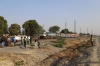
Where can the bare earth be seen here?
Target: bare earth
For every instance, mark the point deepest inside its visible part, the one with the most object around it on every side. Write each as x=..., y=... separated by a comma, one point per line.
x=94, y=56
x=31, y=56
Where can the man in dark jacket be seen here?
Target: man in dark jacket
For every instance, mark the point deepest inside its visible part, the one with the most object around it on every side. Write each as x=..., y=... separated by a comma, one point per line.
x=3, y=40
x=91, y=39
x=30, y=40
x=25, y=42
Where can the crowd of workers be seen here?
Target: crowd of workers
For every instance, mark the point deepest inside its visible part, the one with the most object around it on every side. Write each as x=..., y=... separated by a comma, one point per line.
x=6, y=41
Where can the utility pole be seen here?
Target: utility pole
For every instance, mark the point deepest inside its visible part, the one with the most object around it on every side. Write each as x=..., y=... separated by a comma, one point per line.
x=24, y=30
x=65, y=30
x=87, y=30
x=74, y=26
x=43, y=26
x=91, y=32
x=80, y=30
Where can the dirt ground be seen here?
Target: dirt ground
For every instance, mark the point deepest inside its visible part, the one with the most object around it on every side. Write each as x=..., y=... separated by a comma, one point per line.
x=18, y=56
x=30, y=56
x=88, y=56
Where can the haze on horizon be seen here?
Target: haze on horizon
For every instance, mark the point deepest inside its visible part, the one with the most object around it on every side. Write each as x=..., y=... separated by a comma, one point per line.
x=54, y=12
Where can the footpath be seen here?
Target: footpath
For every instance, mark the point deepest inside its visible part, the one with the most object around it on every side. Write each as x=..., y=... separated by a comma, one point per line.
x=95, y=55
x=88, y=56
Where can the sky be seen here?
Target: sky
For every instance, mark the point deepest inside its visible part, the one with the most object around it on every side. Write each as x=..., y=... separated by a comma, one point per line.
x=86, y=13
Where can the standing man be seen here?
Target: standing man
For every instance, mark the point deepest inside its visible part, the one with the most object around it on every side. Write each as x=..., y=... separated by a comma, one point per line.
x=25, y=42
x=91, y=40
x=30, y=40
x=22, y=41
x=14, y=40
x=3, y=40
x=38, y=44
x=8, y=40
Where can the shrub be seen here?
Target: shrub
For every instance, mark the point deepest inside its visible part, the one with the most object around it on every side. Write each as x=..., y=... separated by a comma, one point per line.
x=19, y=63
x=60, y=42
x=58, y=45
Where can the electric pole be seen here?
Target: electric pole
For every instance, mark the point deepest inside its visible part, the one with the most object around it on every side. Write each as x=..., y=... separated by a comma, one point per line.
x=80, y=30
x=87, y=30
x=91, y=32
x=74, y=26
x=43, y=26
x=65, y=30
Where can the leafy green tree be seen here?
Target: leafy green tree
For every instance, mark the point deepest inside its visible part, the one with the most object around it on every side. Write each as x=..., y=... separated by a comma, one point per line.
x=43, y=30
x=70, y=32
x=14, y=29
x=3, y=25
x=32, y=28
x=54, y=29
x=88, y=33
x=64, y=31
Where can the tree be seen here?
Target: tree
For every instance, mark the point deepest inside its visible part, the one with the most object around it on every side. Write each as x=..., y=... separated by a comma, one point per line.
x=3, y=25
x=43, y=30
x=88, y=33
x=14, y=29
x=54, y=29
x=64, y=31
x=32, y=28
x=70, y=32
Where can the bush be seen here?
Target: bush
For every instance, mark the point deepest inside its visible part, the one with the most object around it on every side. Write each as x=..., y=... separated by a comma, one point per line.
x=60, y=42
x=58, y=45
x=19, y=63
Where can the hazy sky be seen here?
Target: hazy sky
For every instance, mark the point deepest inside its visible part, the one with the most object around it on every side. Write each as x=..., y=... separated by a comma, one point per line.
x=54, y=12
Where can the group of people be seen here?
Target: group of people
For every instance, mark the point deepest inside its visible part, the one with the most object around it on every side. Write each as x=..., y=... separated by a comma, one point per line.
x=28, y=40
x=6, y=41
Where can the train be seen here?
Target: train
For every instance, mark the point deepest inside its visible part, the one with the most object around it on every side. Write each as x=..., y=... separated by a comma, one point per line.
x=48, y=35
x=54, y=35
